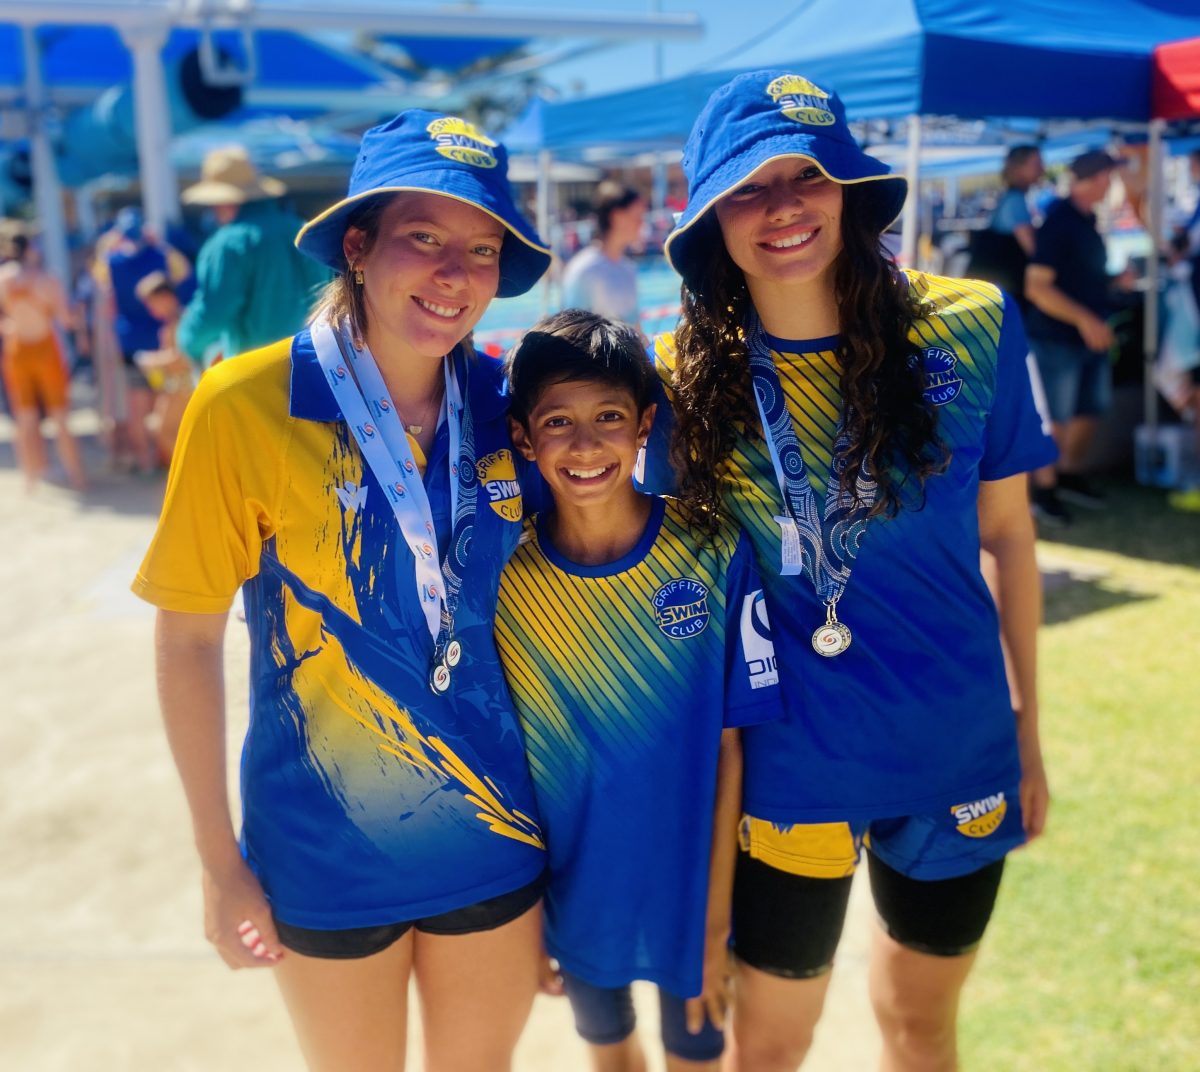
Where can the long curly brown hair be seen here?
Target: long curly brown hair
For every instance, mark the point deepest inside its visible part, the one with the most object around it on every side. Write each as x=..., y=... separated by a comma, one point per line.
x=892, y=431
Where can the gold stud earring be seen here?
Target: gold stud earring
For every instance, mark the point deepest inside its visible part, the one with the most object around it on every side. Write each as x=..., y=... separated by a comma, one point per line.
x=358, y=275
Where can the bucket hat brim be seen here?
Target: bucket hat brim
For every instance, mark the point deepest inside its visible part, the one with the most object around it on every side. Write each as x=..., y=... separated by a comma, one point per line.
x=213, y=192
x=842, y=162
x=523, y=259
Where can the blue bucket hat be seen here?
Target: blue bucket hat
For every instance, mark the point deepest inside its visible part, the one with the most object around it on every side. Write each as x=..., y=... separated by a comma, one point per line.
x=759, y=117
x=428, y=152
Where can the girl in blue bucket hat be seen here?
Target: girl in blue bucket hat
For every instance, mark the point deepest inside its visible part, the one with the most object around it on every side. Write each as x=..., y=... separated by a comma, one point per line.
x=870, y=428
x=357, y=483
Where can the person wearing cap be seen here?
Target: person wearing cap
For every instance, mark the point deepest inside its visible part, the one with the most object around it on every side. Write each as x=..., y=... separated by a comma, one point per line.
x=870, y=429
x=358, y=482
x=1070, y=295
x=252, y=285
x=602, y=278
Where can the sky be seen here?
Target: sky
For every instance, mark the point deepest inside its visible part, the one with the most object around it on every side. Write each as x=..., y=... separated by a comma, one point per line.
x=727, y=25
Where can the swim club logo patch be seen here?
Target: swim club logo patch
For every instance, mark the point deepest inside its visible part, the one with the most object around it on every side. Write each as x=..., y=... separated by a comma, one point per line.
x=942, y=381
x=498, y=476
x=681, y=608
x=757, y=646
x=462, y=142
x=801, y=100
x=981, y=817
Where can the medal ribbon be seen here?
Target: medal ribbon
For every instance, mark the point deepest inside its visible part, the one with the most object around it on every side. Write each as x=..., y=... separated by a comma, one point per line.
x=358, y=387
x=828, y=544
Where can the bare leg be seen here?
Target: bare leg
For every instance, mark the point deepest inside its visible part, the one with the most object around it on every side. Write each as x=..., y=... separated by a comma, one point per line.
x=915, y=996
x=68, y=451
x=1074, y=442
x=623, y=1056
x=773, y=1020
x=476, y=993
x=350, y=1015
x=31, y=450
x=141, y=402
x=678, y=1064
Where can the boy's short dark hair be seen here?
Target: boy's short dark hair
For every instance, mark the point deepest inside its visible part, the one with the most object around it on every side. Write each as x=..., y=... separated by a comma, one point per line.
x=577, y=345
x=609, y=197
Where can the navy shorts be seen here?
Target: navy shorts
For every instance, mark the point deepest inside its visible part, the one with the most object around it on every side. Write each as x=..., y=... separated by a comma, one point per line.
x=357, y=942
x=1077, y=381
x=605, y=1016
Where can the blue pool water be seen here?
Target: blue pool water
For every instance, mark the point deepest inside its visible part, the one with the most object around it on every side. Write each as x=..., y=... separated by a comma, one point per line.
x=506, y=318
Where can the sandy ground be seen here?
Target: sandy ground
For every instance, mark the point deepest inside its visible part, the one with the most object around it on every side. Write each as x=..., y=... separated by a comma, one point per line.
x=102, y=962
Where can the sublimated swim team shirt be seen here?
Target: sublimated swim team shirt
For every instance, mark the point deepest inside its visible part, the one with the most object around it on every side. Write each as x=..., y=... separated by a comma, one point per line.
x=914, y=716
x=367, y=798
x=624, y=676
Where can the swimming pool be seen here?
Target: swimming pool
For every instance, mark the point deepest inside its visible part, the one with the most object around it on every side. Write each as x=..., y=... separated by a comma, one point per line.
x=507, y=318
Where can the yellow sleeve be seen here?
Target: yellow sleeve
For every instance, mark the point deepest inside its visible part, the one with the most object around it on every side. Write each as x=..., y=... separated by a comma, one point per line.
x=222, y=492
x=664, y=360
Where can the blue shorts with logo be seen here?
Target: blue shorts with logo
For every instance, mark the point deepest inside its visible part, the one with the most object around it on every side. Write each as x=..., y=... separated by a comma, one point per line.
x=953, y=842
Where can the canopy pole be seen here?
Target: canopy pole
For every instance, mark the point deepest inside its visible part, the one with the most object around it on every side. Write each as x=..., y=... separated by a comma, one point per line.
x=160, y=194
x=911, y=219
x=47, y=190
x=543, y=217
x=1154, y=223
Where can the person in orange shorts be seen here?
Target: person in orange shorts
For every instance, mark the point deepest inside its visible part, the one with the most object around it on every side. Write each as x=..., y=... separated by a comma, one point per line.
x=32, y=307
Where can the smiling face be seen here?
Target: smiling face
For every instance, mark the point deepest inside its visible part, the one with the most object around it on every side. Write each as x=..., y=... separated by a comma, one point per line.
x=584, y=437
x=782, y=226
x=428, y=275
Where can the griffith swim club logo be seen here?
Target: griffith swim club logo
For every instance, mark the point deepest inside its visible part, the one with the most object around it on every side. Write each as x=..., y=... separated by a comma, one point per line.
x=801, y=100
x=681, y=608
x=942, y=381
x=981, y=817
x=498, y=476
x=462, y=142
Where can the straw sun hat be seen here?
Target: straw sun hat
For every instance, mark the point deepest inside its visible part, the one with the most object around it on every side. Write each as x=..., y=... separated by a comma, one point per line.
x=228, y=177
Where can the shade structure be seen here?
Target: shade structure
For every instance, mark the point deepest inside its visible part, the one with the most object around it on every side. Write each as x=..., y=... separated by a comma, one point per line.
x=1175, y=91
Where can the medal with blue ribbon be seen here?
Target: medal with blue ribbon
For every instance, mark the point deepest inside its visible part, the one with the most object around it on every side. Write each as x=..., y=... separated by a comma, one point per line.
x=820, y=545
x=358, y=387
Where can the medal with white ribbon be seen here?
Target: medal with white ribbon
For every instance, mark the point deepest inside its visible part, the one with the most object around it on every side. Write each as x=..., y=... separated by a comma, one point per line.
x=822, y=547
x=369, y=412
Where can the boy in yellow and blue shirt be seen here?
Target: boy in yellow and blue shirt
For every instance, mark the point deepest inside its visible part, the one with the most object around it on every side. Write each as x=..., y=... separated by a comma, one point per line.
x=633, y=648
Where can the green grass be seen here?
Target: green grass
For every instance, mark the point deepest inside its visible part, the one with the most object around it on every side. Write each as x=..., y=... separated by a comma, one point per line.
x=1092, y=963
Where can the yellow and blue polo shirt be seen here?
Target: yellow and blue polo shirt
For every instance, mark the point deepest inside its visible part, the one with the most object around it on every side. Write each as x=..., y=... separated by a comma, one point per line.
x=367, y=799
x=624, y=676
x=914, y=717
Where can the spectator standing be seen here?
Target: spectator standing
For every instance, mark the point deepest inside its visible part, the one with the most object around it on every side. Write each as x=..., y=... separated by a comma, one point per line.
x=1001, y=252
x=136, y=254
x=602, y=278
x=167, y=370
x=1069, y=291
x=253, y=286
x=33, y=307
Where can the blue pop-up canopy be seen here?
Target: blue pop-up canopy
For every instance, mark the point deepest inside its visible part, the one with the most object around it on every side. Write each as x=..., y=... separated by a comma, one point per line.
x=888, y=58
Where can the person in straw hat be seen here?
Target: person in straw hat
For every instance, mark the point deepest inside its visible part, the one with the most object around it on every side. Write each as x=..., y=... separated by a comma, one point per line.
x=358, y=481
x=252, y=286
x=870, y=428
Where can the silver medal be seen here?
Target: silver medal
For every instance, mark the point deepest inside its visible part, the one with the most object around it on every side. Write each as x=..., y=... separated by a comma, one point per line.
x=439, y=678
x=833, y=637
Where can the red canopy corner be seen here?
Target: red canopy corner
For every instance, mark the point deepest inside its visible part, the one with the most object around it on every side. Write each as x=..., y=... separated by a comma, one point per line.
x=1176, y=89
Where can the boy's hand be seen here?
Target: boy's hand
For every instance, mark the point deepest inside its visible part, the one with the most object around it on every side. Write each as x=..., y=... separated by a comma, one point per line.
x=713, y=1001
x=550, y=976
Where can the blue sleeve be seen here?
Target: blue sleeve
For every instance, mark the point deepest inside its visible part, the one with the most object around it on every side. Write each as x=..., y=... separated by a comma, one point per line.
x=1011, y=213
x=1017, y=439
x=751, y=673
x=655, y=475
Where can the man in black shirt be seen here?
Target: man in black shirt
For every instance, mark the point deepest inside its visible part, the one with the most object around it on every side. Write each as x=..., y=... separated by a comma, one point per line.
x=1068, y=288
